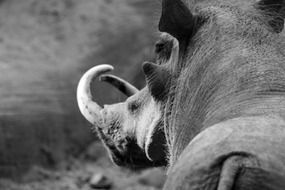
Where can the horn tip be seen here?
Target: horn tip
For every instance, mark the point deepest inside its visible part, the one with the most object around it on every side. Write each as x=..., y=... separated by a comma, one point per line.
x=104, y=78
x=107, y=67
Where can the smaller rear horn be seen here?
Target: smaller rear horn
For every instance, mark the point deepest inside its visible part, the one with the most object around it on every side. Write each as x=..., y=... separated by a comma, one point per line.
x=122, y=85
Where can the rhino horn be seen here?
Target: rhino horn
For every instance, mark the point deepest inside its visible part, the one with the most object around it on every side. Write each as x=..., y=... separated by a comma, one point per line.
x=274, y=10
x=90, y=109
x=120, y=84
x=176, y=19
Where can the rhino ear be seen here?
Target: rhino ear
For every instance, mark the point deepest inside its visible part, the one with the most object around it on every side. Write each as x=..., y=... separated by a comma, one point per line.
x=155, y=146
x=275, y=12
x=176, y=19
x=157, y=79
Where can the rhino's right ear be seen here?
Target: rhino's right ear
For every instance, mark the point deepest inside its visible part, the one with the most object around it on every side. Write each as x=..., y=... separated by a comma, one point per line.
x=274, y=11
x=177, y=20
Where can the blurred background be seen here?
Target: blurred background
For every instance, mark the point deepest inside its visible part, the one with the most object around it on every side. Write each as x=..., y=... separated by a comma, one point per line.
x=45, y=47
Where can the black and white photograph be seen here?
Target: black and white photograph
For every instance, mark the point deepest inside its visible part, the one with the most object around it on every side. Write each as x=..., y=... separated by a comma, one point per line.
x=142, y=95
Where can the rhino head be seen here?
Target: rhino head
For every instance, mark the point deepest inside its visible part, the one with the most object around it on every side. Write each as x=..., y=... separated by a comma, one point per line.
x=132, y=131
x=123, y=126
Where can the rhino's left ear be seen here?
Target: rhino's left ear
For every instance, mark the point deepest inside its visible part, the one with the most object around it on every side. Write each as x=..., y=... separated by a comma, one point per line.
x=274, y=11
x=155, y=146
x=177, y=20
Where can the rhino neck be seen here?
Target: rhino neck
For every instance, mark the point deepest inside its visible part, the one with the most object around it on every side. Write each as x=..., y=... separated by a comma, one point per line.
x=208, y=106
x=222, y=81
x=209, y=92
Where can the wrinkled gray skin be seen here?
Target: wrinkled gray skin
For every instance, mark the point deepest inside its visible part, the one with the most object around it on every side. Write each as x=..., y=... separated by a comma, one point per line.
x=213, y=108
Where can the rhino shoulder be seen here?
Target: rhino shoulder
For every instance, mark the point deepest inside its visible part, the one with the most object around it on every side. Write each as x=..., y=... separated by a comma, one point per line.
x=245, y=152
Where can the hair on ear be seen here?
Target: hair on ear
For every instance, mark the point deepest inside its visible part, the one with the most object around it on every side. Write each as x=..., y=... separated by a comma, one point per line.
x=274, y=10
x=157, y=78
x=155, y=146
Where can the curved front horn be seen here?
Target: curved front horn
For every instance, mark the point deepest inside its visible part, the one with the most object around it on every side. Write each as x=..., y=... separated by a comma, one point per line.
x=120, y=84
x=90, y=109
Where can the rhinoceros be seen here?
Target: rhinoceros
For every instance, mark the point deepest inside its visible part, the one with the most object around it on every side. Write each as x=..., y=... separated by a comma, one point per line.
x=213, y=109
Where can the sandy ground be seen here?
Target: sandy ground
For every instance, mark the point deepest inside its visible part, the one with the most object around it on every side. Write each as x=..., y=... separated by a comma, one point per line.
x=77, y=174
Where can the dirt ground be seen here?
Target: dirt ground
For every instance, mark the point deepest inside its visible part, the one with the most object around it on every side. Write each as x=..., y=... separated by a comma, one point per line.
x=45, y=47
x=77, y=174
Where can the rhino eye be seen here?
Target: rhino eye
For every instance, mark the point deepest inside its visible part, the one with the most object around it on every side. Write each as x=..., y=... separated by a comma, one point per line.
x=163, y=50
x=133, y=106
x=159, y=46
